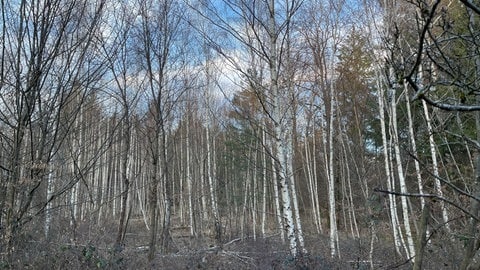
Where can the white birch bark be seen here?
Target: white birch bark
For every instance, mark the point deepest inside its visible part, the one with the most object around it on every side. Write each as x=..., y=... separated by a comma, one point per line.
x=181, y=175
x=386, y=155
x=311, y=187
x=348, y=192
x=296, y=212
x=401, y=178
x=402, y=243
x=282, y=133
x=264, y=182
x=211, y=182
x=433, y=152
x=74, y=191
x=203, y=192
x=254, y=195
x=103, y=180
x=141, y=199
x=243, y=224
x=286, y=199
x=115, y=169
x=276, y=198
x=189, y=178
x=315, y=180
x=331, y=179
x=414, y=148
x=73, y=201
x=48, y=208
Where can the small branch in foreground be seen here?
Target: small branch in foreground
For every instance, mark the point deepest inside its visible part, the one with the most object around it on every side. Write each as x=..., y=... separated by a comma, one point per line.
x=431, y=196
x=445, y=181
x=451, y=107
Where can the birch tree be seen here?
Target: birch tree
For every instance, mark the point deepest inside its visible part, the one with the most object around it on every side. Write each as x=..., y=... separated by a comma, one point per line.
x=159, y=50
x=267, y=26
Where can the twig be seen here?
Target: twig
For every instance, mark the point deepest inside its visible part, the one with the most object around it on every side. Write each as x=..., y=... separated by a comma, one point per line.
x=233, y=241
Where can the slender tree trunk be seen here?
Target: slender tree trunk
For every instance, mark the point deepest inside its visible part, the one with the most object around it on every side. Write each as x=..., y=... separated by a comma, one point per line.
x=315, y=180
x=189, y=179
x=246, y=193
x=181, y=176
x=48, y=207
x=386, y=155
x=213, y=198
x=414, y=147
x=254, y=192
x=311, y=186
x=264, y=178
x=348, y=192
x=141, y=191
x=401, y=178
x=298, y=222
x=433, y=152
x=203, y=192
x=115, y=177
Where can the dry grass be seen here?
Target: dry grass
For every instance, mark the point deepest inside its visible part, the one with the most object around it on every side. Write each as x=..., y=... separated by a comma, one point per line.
x=92, y=248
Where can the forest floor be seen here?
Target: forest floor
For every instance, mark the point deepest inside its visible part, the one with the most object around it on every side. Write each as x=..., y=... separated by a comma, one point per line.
x=93, y=250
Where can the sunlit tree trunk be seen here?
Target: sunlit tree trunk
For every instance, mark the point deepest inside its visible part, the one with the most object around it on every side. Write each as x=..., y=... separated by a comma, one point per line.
x=331, y=176
x=276, y=198
x=189, y=178
x=48, y=208
x=264, y=182
x=203, y=213
x=213, y=198
x=410, y=250
x=414, y=147
x=436, y=174
x=244, y=225
x=282, y=132
x=386, y=156
x=254, y=192
x=315, y=180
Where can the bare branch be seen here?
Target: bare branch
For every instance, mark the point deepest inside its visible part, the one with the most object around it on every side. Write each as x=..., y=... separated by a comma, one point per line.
x=431, y=196
x=471, y=5
x=451, y=107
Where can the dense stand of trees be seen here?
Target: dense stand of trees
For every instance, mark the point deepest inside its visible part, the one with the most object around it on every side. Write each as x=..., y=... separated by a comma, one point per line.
x=242, y=119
